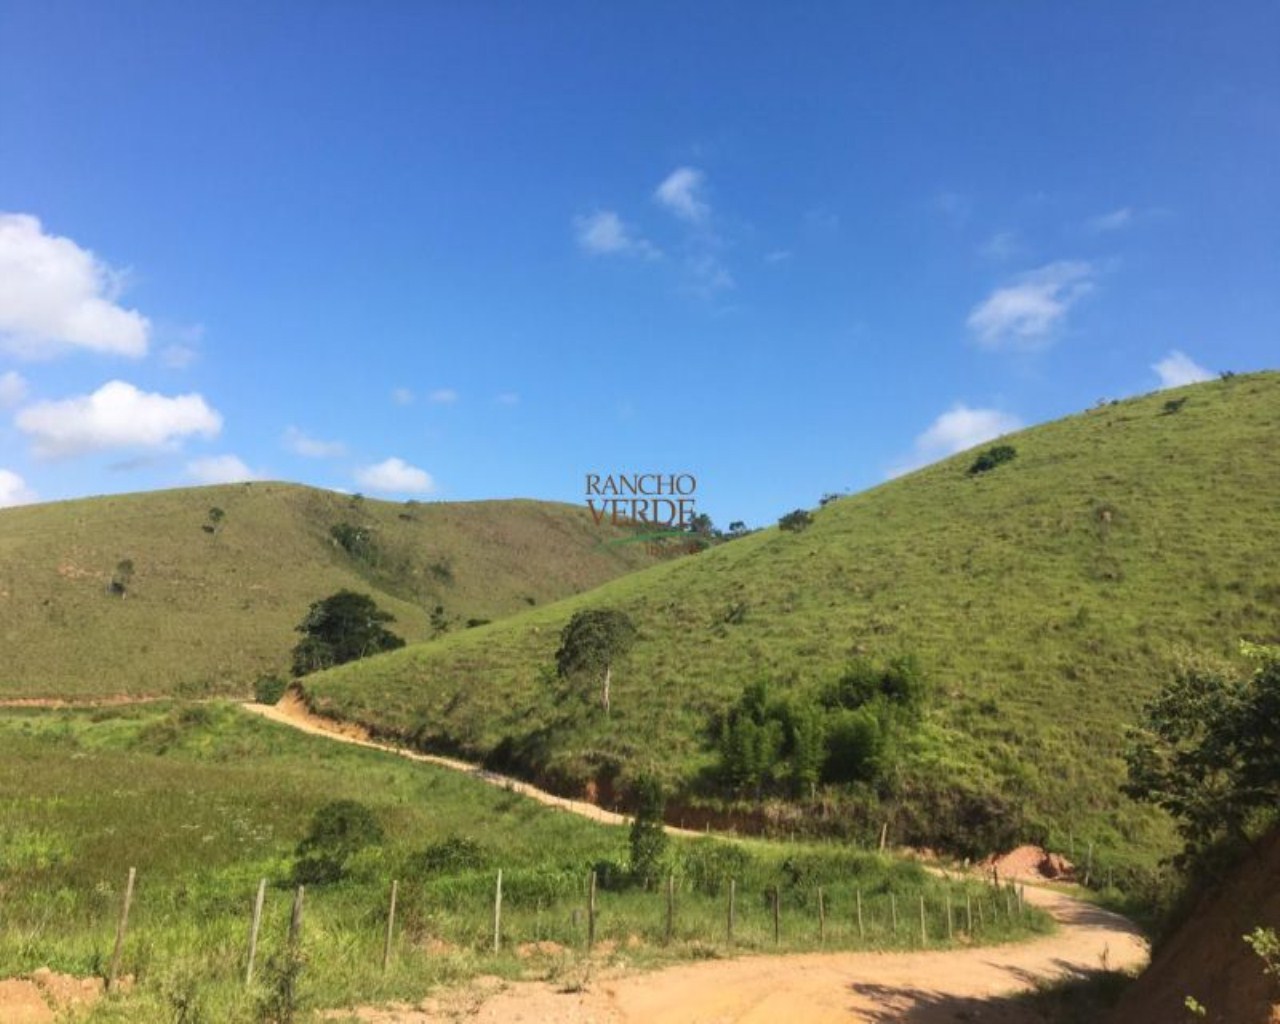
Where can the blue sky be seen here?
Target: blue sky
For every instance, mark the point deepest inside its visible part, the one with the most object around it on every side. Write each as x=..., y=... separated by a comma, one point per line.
x=470, y=250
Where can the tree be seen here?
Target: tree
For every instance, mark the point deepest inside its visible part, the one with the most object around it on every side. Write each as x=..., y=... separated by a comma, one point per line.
x=648, y=837
x=341, y=628
x=1208, y=752
x=993, y=457
x=122, y=577
x=592, y=641
x=216, y=516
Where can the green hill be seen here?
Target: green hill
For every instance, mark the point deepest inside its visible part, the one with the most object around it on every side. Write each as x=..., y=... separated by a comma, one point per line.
x=1044, y=600
x=204, y=604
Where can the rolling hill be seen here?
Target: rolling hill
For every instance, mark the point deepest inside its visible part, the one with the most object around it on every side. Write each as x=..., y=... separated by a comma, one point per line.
x=1045, y=599
x=151, y=593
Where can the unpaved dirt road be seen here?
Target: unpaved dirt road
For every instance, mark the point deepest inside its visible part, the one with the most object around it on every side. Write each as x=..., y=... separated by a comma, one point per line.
x=921, y=988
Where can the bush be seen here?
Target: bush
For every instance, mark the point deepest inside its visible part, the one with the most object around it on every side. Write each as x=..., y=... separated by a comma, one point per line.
x=796, y=521
x=1173, y=405
x=451, y=856
x=993, y=457
x=339, y=830
x=648, y=839
x=269, y=689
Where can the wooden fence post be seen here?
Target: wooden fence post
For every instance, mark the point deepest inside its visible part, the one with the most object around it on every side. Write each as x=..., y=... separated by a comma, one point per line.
x=924, y=937
x=295, y=917
x=254, y=925
x=120, y=929
x=777, y=927
x=884, y=834
x=862, y=932
x=950, y=925
x=732, y=894
x=968, y=914
x=822, y=918
x=391, y=926
x=591, y=912
x=893, y=911
x=497, y=913
x=671, y=908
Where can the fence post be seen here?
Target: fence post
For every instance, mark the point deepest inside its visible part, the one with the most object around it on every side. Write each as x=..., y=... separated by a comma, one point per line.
x=254, y=925
x=924, y=937
x=120, y=929
x=732, y=893
x=968, y=914
x=862, y=932
x=950, y=925
x=777, y=929
x=391, y=926
x=671, y=907
x=884, y=834
x=497, y=913
x=893, y=911
x=591, y=912
x=822, y=918
x=295, y=917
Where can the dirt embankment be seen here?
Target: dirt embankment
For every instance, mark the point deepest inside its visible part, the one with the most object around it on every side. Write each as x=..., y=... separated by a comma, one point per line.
x=1207, y=958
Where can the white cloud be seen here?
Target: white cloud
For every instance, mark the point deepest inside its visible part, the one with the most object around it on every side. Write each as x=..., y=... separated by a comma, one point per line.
x=604, y=234
x=681, y=193
x=396, y=476
x=220, y=469
x=955, y=430
x=1025, y=313
x=55, y=295
x=707, y=275
x=443, y=396
x=1002, y=245
x=310, y=448
x=117, y=415
x=1177, y=369
x=14, y=490
x=179, y=357
x=1113, y=221
x=402, y=396
x=13, y=389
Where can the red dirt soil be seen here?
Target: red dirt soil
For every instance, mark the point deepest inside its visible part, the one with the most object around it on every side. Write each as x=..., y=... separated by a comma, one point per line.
x=1208, y=959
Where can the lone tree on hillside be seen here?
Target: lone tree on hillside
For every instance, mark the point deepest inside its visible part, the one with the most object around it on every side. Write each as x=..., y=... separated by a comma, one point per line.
x=341, y=628
x=590, y=644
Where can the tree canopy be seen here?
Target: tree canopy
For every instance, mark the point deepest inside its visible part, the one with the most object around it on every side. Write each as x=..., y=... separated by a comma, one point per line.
x=1208, y=751
x=341, y=628
x=591, y=642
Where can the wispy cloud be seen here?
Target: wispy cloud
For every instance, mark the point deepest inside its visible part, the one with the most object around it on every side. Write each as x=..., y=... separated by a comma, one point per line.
x=1113, y=221
x=402, y=396
x=1026, y=313
x=56, y=296
x=309, y=447
x=1178, y=368
x=395, y=476
x=508, y=398
x=603, y=233
x=955, y=430
x=13, y=389
x=682, y=193
x=1003, y=245
x=443, y=396
x=778, y=256
x=220, y=469
x=117, y=415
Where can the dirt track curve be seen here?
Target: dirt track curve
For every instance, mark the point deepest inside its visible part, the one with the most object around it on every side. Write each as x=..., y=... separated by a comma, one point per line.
x=921, y=988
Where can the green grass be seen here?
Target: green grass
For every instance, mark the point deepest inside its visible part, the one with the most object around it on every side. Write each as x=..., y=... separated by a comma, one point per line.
x=204, y=800
x=207, y=612
x=1046, y=599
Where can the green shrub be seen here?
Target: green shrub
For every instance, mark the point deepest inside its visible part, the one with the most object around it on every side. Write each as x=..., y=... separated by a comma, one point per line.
x=450, y=856
x=796, y=521
x=992, y=458
x=269, y=689
x=339, y=830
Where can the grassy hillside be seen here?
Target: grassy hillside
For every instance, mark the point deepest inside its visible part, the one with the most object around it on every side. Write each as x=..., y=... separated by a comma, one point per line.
x=210, y=605
x=1045, y=599
x=204, y=800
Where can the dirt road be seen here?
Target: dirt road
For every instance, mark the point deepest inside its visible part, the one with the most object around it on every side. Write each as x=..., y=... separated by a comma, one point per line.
x=922, y=988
